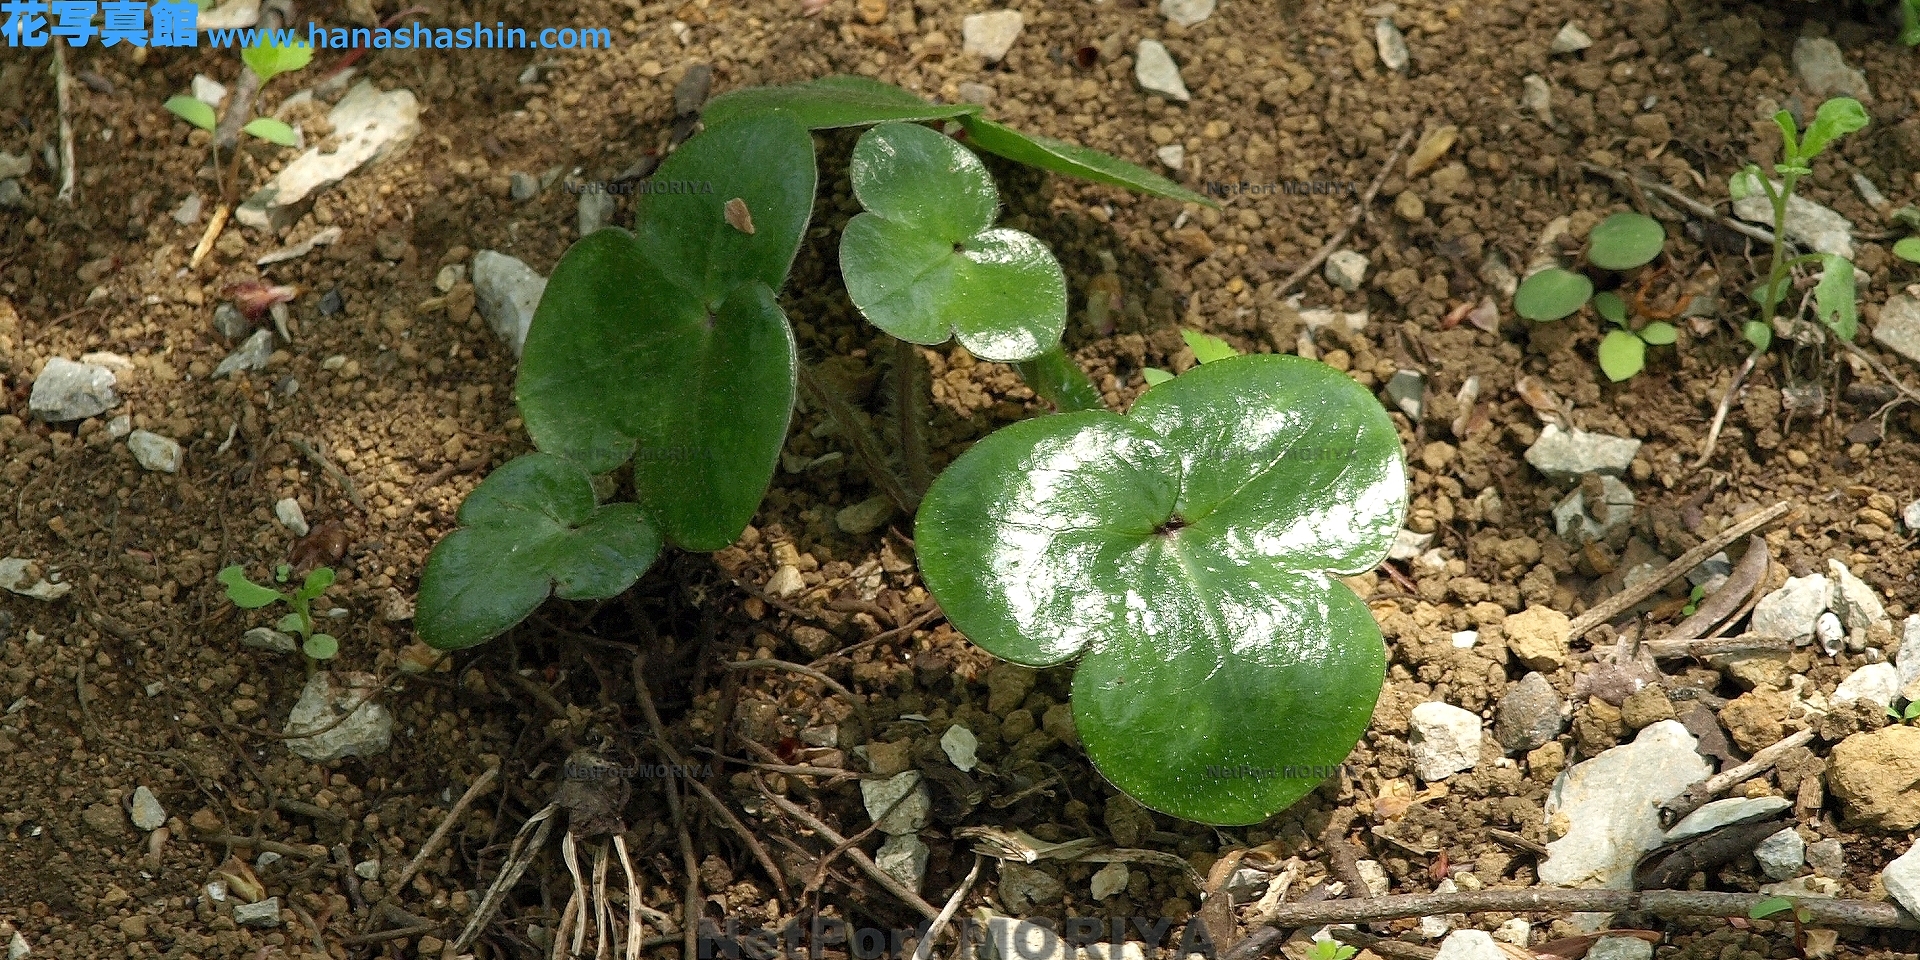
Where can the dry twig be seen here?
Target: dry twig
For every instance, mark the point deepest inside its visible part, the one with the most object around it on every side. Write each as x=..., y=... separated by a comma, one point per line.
x=1696, y=796
x=858, y=856
x=1353, y=219
x=63, y=92
x=1659, y=903
x=1625, y=600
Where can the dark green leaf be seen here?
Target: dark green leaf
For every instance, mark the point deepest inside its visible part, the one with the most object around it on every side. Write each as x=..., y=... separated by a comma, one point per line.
x=1834, y=298
x=244, y=593
x=1624, y=241
x=1622, y=355
x=1551, y=294
x=1187, y=551
x=192, y=111
x=1072, y=160
x=532, y=527
x=837, y=101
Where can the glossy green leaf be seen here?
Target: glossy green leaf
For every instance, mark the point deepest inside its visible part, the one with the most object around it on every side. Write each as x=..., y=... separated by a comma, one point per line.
x=272, y=131
x=1059, y=156
x=1624, y=241
x=1187, y=553
x=1206, y=347
x=836, y=101
x=1834, y=298
x=1058, y=379
x=270, y=60
x=1551, y=294
x=1609, y=305
x=666, y=346
x=192, y=111
x=1659, y=333
x=1622, y=355
x=1835, y=119
x=321, y=646
x=244, y=593
x=1758, y=334
x=925, y=263
x=530, y=529
x=1154, y=376
x=1908, y=249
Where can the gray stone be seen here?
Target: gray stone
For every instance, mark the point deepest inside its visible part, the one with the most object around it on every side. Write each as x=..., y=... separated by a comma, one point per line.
x=229, y=322
x=11, y=196
x=368, y=127
x=66, y=390
x=14, y=166
x=1620, y=948
x=288, y=512
x=208, y=90
x=864, y=517
x=1530, y=714
x=148, y=814
x=1868, y=192
x=522, y=187
x=1173, y=155
x=1899, y=330
x=1907, y=661
x=1444, y=739
x=1572, y=454
x=261, y=915
x=1109, y=880
x=1902, y=879
x=1013, y=939
x=1792, y=612
x=1808, y=223
x=1392, y=45
x=368, y=731
x=1854, y=601
x=1186, y=12
x=120, y=426
x=1610, y=805
x=1470, y=945
x=913, y=812
x=154, y=452
x=904, y=858
x=1782, y=855
x=17, y=948
x=267, y=638
x=1346, y=269
x=975, y=92
x=1828, y=858
x=1023, y=888
x=991, y=35
x=595, y=211
x=1408, y=391
x=188, y=212
x=251, y=355
x=1910, y=516
x=1877, y=683
x=1570, y=39
x=1720, y=813
x=507, y=292
x=1581, y=522
x=1825, y=72
x=1536, y=95
x=1154, y=69
x=367, y=869
x=16, y=577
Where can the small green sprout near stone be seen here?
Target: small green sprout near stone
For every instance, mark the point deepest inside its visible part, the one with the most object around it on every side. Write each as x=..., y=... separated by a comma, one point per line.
x=1624, y=241
x=1206, y=349
x=248, y=595
x=267, y=60
x=1331, y=950
x=1908, y=248
x=1908, y=715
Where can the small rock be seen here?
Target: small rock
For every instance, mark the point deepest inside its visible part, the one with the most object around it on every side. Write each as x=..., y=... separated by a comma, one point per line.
x=120, y=426
x=911, y=815
x=1801, y=887
x=1408, y=391
x=1023, y=888
x=990, y=35
x=1830, y=633
x=1877, y=683
x=18, y=575
x=154, y=452
x=1902, y=879
x=66, y=390
x=904, y=858
x=1907, y=661
x=1645, y=707
x=1570, y=39
x=104, y=819
x=1899, y=330
x=1007, y=687
x=267, y=638
x=1444, y=739
x=508, y=291
x=1173, y=155
x=449, y=277
x=368, y=731
x=368, y=126
x=367, y=869
x=522, y=187
x=1156, y=72
x=1530, y=714
x=229, y=322
x=1392, y=45
x=1518, y=931
x=1910, y=514
x=1570, y=455
x=786, y=582
x=1870, y=193
x=1620, y=948
x=15, y=166
x=1109, y=880
x=1873, y=775
x=1825, y=72
x=1782, y=855
x=11, y=196
x=1720, y=813
x=208, y=90
x=1854, y=601
x=1407, y=545
x=1712, y=572
x=1791, y=612
x=1346, y=269
x=188, y=212
x=1808, y=223
x=1582, y=522
x=864, y=517
x=1536, y=95
x=975, y=92
x=1186, y=12
x=148, y=814
x=1828, y=858
x=252, y=355
x=261, y=915
x=961, y=747
x=1465, y=639
x=596, y=210
x=1470, y=945
x=1610, y=805
x=1538, y=636
x=287, y=511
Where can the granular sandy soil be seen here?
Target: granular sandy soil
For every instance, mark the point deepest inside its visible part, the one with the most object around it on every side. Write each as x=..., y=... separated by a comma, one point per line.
x=138, y=678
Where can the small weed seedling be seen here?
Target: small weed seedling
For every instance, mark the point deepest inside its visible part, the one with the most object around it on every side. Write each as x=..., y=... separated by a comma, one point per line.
x=1206, y=349
x=1796, y=915
x=269, y=61
x=1330, y=949
x=248, y=595
x=1622, y=242
x=1694, y=596
x=1908, y=715
x=1908, y=248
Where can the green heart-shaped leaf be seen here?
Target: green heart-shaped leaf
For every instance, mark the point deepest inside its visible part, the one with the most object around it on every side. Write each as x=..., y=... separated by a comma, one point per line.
x=1622, y=354
x=924, y=263
x=1624, y=241
x=667, y=346
x=1186, y=551
x=836, y=101
x=1551, y=294
x=1072, y=160
x=531, y=528
x=1908, y=249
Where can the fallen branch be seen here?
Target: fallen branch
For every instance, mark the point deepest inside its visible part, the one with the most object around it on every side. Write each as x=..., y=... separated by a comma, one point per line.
x=925, y=950
x=1820, y=911
x=1734, y=592
x=63, y=92
x=1726, y=404
x=1625, y=600
x=858, y=856
x=1696, y=796
x=1714, y=646
x=1353, y=220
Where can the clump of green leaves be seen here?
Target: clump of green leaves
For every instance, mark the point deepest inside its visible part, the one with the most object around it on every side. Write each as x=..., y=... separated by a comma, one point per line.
x=268, y=60
x=1907, y=715
x=1622, y=242
x=1833, y=296
x=248, y=595
x=1330, y=949
x=1908, y=248
x=1206, y=349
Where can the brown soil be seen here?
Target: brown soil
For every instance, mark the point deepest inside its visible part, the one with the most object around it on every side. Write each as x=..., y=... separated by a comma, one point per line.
x=137, y=677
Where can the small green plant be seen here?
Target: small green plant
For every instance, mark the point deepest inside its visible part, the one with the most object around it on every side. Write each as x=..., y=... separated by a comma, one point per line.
x=1797, y=915
x=269, y=61
x=1694, y=596
x=1908, y=248
x=1833, y=296
x=1622, y=242
x=1206, y=349
x=1907, y=715
x=248, y=595
x=1331, y=949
